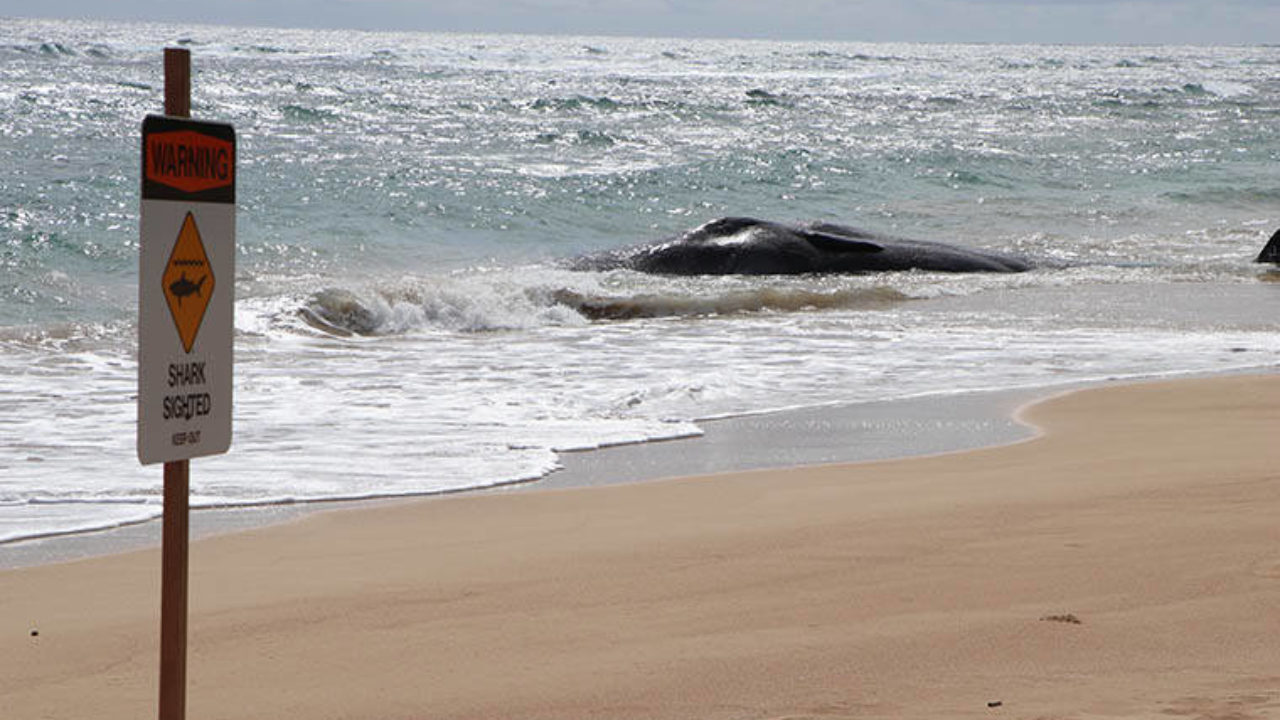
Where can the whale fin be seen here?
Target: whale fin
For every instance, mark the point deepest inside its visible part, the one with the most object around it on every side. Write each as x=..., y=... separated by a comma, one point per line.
x=1271, y=253
x=838, y=243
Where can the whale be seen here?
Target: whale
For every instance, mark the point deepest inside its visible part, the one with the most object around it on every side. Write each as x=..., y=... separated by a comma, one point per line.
x=748, y=246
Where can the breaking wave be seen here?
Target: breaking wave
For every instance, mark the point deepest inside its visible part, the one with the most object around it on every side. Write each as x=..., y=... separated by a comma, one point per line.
x=485, y=303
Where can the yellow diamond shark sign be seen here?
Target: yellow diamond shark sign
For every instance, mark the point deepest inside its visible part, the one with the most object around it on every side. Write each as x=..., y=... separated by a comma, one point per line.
x=185, y=289
x=188, y=256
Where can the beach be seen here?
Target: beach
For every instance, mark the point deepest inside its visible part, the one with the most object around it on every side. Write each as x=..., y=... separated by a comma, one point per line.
x=1122, y=563
x=473, y=477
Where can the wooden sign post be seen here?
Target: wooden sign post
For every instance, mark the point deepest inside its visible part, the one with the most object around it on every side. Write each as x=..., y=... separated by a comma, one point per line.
x=186, y=284
x=176, y=534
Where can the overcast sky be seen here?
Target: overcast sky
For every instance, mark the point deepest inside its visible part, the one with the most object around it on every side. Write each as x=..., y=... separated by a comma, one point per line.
x=1215, y=22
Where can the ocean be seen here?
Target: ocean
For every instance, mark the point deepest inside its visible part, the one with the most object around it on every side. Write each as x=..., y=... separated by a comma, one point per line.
x=405, y=323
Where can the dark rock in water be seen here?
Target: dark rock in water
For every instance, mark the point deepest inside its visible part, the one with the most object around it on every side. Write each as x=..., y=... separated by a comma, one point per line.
x=747, y=246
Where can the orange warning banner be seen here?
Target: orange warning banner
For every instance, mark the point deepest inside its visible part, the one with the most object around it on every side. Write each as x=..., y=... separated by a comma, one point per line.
x=188, y=160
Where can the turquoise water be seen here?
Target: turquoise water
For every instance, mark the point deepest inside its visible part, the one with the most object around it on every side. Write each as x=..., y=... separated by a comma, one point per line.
x=402, y=323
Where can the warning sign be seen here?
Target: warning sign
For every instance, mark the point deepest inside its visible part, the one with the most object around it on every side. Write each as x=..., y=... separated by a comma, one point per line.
x=188, y=282
x=187, y=160
x=190, y=162
x=185, y=289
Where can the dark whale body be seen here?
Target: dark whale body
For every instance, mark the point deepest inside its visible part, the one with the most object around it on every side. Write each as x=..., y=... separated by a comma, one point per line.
x=747, y=246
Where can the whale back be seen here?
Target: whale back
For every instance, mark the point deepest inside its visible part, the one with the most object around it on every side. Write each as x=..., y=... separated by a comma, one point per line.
x=733, y=245
x=839, y=243
x=898, y=253
x=749, y=246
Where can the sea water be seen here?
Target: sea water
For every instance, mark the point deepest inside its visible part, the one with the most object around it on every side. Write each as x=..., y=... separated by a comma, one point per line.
x=404, y=323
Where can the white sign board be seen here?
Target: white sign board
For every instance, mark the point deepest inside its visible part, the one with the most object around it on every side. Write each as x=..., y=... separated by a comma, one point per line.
x=186, y=283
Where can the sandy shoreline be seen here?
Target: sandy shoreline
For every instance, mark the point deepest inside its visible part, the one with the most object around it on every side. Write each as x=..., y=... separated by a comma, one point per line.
x=930, y=587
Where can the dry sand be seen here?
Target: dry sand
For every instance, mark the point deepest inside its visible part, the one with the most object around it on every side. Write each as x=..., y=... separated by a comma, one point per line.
x=1125, y=564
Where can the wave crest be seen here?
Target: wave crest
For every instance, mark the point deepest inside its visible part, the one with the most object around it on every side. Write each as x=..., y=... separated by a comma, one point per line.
x=488, y=303
x=477, y=304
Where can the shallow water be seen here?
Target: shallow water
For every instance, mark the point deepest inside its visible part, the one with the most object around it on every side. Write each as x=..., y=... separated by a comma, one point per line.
x=404, y=324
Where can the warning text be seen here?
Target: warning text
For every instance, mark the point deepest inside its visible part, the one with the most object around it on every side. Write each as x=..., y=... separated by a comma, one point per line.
x=187, y=405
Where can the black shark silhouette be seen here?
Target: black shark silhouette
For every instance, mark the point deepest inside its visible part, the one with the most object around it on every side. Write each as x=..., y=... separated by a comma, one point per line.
x=182, y=287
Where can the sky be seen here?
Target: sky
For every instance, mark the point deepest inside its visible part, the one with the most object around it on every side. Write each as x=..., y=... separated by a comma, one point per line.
x=1203, y=22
